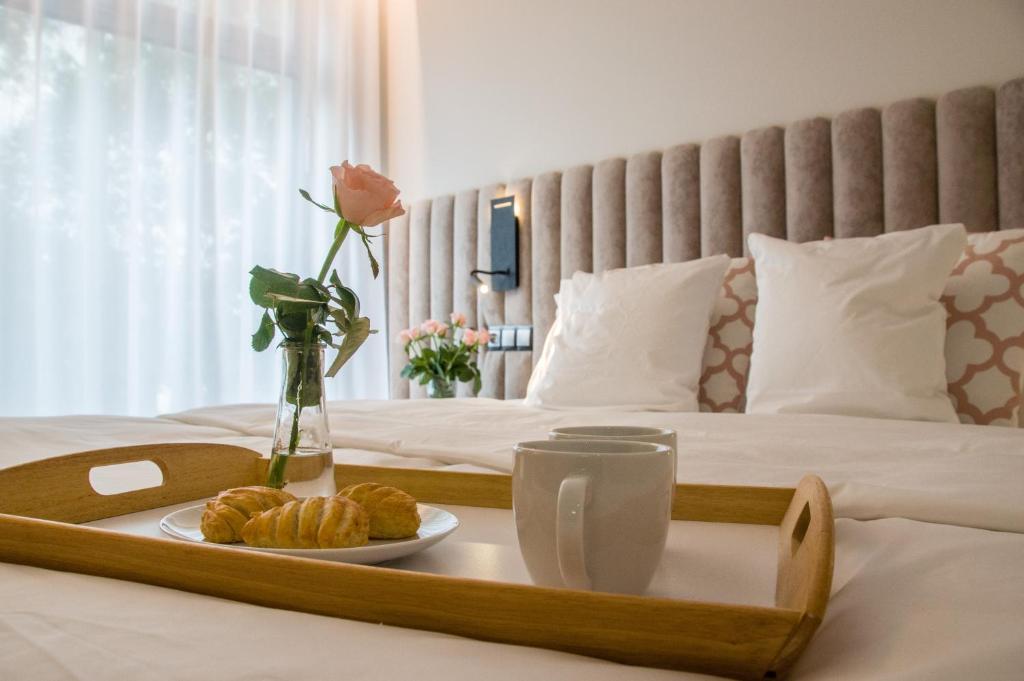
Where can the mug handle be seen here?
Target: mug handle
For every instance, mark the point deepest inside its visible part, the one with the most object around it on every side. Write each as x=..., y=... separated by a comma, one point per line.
x=572, y=495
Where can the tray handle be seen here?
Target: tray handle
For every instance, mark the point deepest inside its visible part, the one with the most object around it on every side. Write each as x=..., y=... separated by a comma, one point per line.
x=806, y=558
x=59, y=488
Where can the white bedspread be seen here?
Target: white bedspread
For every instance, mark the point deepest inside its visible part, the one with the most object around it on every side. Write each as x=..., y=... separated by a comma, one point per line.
x=941, y=599
x=942, y=473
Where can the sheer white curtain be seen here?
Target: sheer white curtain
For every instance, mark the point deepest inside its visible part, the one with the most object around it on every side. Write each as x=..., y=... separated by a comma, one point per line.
x=150, y=155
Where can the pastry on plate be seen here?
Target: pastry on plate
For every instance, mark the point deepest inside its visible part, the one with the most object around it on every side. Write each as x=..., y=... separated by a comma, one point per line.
x=312, y=523
x=392, y=512
x=225, y=515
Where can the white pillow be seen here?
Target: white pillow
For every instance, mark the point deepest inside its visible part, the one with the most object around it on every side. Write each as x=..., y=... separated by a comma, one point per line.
x=853, y=326
x=629, y=338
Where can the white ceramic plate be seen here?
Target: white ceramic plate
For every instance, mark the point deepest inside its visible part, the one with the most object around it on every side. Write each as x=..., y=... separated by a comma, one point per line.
x=435, y=525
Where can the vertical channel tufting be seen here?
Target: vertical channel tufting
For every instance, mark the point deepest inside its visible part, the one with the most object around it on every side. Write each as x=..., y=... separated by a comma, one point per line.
x=966, y=135
x=680, y=203
x=397, y=237
x=464, y=253
x=577, y=244
x=1010, y=140
x=491, y=306
x=441, y=257
x=910, y=165
x=419, y=271
x=519, y=301
x=609, y=190
x=547, y=260
x=721, y=211
x=808, y=180
x=857, y=173
x=763, y=171
x=643, y=209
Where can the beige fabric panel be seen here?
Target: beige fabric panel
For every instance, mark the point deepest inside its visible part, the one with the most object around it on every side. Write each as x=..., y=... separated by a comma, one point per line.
x=464, y=253
x=609, y=214
x=442, y=260
x=397, y=237
x=643, y=209
x=857, y=173
x=577, y=211
x=721, y=200
x=965, y=129
x=680, y=200
x=809, y=180
x=1010, y=137
x=419, y=272
x=547, y=259
x=910, y=179
x=490, y=307
x=763, y=174
x=519, y=301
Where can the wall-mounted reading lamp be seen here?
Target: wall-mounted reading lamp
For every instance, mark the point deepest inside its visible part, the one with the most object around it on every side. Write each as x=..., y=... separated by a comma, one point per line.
x=504, y=248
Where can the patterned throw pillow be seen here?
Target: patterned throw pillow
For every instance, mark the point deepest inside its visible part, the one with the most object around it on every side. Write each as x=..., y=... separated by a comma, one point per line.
x=723, y=381
x=985, y=329
x=984, y=333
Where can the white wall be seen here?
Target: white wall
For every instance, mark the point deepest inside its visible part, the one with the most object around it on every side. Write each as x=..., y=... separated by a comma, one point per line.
x=482, y=91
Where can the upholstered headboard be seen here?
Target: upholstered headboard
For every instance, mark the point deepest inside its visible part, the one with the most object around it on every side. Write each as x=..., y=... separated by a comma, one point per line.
x=867, y=171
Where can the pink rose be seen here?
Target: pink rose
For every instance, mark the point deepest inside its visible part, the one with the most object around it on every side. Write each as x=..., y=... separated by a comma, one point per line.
x=414, y=332
x=469, y=337
x=442, y=329
x=483, y=337
x=366, y=197
x=430, y=326
x=458, y=319
x=405, y=335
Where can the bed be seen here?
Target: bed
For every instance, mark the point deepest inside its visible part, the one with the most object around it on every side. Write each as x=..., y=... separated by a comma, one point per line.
x=930, y=526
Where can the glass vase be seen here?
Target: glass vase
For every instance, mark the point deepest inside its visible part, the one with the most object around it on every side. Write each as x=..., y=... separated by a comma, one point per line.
x=440, y=387
x=302, y=458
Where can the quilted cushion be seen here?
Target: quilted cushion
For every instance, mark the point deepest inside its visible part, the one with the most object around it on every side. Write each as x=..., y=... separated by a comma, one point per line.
x=985, y=329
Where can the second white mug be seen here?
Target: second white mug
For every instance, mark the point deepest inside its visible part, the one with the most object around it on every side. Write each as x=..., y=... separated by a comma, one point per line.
x=658, y=436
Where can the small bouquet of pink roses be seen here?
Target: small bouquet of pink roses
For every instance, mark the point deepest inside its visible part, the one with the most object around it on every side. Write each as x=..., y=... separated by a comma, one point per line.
x=441, y=354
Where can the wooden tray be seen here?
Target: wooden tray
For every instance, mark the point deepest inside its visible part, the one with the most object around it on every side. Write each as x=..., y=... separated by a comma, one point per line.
x=40, y=501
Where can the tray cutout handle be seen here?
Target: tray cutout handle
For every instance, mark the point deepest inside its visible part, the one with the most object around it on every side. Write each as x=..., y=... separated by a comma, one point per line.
x=60, y=489
x=803, y=522
x=806, y=561
x=120, y=478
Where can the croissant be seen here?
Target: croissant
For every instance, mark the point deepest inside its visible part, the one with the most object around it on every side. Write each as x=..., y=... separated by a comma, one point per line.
x=392, y=512
x=312, y=523
x=224, y=516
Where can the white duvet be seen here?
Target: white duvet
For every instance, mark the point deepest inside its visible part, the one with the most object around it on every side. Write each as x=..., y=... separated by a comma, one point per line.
x=929, y=580
x=934, y=472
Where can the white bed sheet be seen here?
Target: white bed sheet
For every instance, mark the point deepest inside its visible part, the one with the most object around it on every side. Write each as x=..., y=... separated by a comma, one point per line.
x=911, y=599
x=934, y=472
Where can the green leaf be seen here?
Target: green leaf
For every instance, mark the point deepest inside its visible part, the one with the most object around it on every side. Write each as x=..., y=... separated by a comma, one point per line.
x=345, y=296
x=477, y=384
x=325, y=336
x=304, y=194
x=266, y=282
x=374, y=265
x=264, y=334
x=358, y=332
x=341, y=319
x=279, y=298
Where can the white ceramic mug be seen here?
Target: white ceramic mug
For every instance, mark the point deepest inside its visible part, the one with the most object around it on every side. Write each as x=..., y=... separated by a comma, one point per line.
x=658, y=436
x=592, y=514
